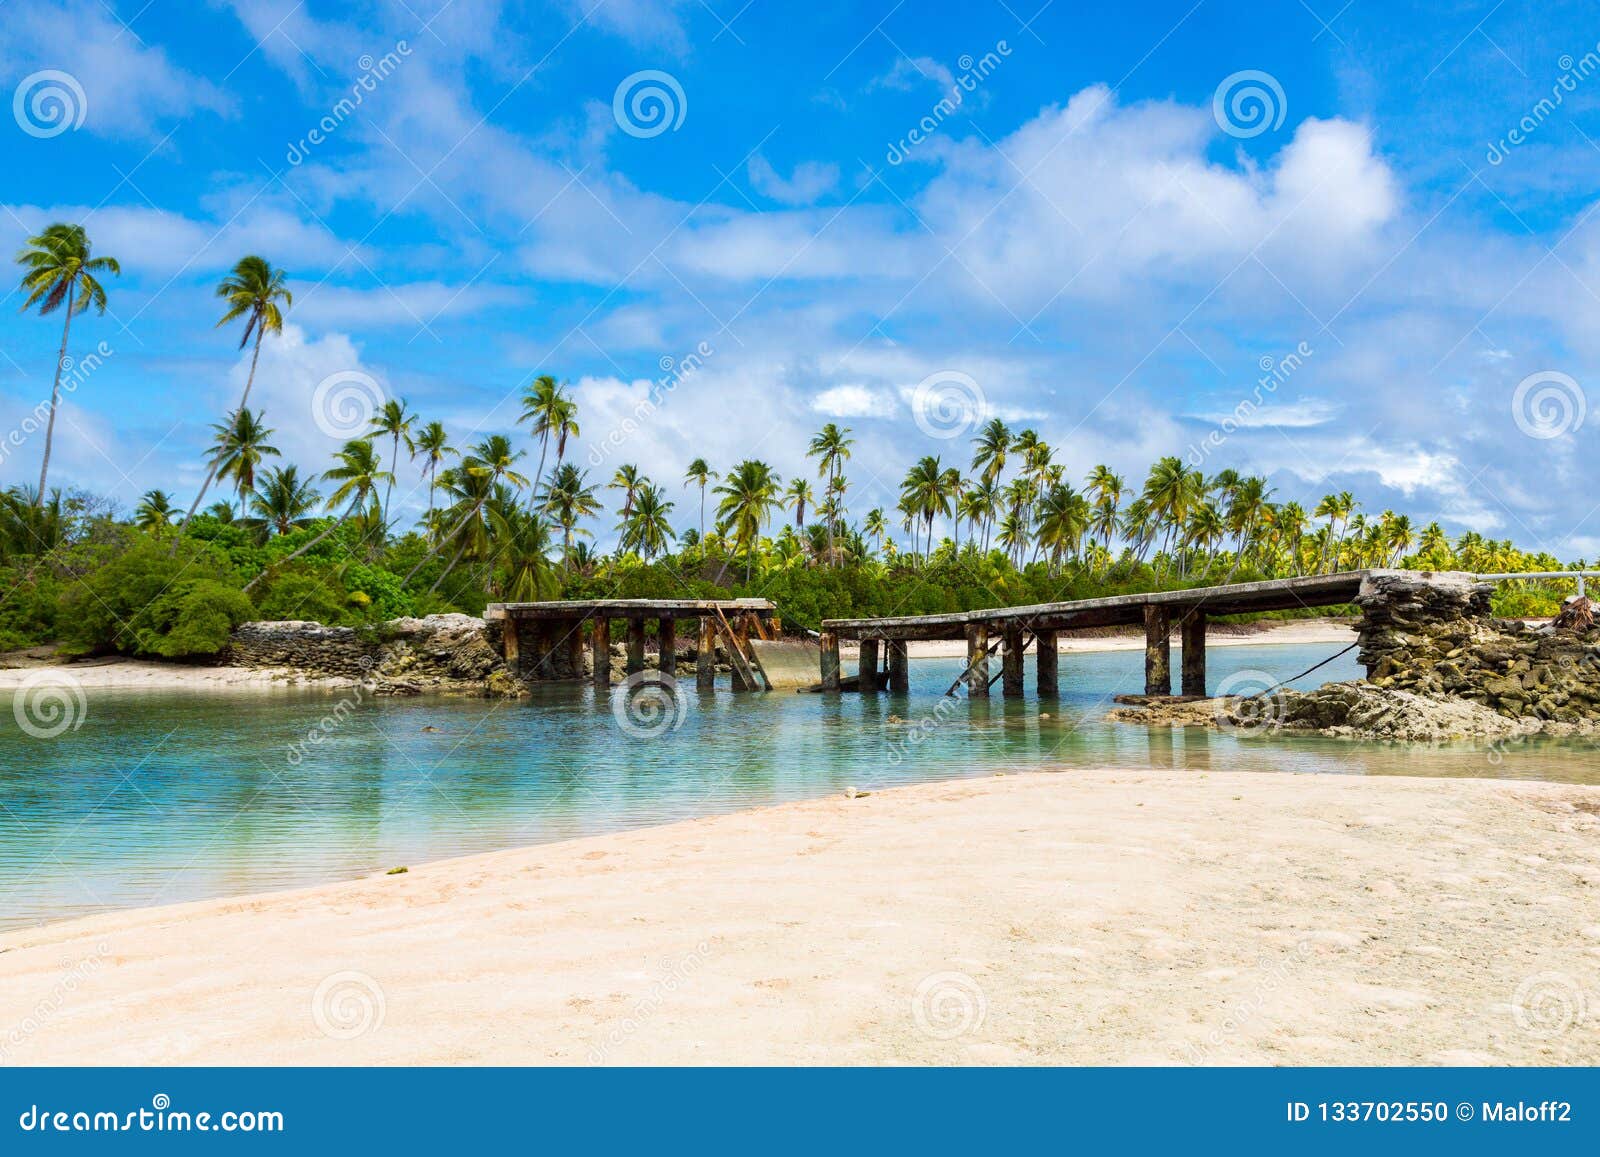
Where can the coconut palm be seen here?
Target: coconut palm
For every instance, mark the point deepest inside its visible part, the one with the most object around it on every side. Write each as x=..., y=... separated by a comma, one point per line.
x=628, y=480
x=926, y=492
x=432, y=445
x=700, y=474
x=551, y=416
x=359, y=473
x=831, y=449
x=521, y=550
x=283, y=502
x=238, y=449
x=568, y=500
x=394, y=420
x=646, y=529
x=797, y=497
x=154, y=512
x=486, y=465
x=258, y=293
x=749, y=495
x=61, y=271
x=875, y=526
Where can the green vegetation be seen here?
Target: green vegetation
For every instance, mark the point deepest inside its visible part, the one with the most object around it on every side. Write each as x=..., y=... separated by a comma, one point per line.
x=320, y=541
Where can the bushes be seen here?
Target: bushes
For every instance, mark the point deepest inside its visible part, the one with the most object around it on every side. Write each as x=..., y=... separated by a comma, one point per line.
x=196, y=619
x=147, y=601
x=299, y=595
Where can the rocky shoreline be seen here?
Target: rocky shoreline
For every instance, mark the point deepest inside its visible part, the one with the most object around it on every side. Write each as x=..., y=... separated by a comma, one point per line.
x=1440, y=666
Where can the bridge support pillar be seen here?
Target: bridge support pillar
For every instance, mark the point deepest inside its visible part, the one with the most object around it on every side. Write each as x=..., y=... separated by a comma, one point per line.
x=1047, y=658
x=667, y=634
x=1193, y=626
x=511, y=645
x=600, y=648
x=899, y=666
x=705, y=661
x=1157, y=650
x=1011, y=663
x=635, y=660
x=867, y=666
x=829, y=642
x=977, y=661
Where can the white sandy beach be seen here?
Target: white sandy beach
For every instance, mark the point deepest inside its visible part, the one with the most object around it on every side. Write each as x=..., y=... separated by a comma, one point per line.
x=1076, y=917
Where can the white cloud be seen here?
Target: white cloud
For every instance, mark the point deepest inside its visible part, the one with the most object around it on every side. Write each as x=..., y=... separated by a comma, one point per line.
x=1293, y=415
x=809, y=181
x=854, y=402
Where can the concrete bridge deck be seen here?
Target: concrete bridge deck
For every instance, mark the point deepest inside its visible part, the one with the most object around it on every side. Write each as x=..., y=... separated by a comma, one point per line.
x=1011, y=630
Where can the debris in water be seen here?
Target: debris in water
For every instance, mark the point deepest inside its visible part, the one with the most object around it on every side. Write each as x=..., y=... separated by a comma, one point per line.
x=400, y=871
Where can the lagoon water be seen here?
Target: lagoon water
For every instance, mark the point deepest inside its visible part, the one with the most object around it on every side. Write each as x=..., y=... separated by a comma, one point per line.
x=163, y=797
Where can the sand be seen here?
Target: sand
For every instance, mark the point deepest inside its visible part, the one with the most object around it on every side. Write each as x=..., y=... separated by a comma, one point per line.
x=1334, y=632
x=1072, y=917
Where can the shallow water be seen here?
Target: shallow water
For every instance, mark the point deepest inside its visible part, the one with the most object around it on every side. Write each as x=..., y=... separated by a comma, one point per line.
x=163, y=797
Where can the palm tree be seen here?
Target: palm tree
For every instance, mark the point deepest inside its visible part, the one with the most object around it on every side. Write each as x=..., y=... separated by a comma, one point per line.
x=433, y=445
x=239, y=447
x=646, y=529
x=258, y=293
x=490, y=462
x=1063, y=521
x=521, y=548
x=1171, y=492
x=359, y=473
x=393, y=420
x=154, y=512
x=875, y=526
x=283, y=502
x=831, y=448
x=628, y=480
x=61, y=271
x=798, y=496
x=926, y=493
x=750, y=493
x=993, y=442
x=568, y=499
x=551, y=414
x=699, y=474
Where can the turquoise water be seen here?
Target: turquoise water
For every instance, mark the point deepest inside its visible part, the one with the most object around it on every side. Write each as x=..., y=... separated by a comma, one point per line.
x=163, y=797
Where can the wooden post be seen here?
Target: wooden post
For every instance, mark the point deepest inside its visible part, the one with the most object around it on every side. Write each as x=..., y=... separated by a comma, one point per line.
x=705, y=662
x=667, y=633
x=829, y=643
x=543, y=644
x=1157, y=650
x=867, y=666
x=1048, y=660
x=899, y=666
x=574, y=641
x=600, y=646
x=1011, y=663
x=1193, y=626
x=740, y=642
x=511, y=645
x=635, y=662
x=977, y=661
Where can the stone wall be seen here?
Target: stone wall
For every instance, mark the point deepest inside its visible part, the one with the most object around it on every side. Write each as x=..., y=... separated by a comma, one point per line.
x=437, y=653
x=1434, y=634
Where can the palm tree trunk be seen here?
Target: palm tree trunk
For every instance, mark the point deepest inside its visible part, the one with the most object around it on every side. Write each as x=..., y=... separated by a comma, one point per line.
x=454, y=531
x=394, y=464
x=461, y=550
x=55, y=397
x=211, y=474
x=351, y=509
x=533, y=491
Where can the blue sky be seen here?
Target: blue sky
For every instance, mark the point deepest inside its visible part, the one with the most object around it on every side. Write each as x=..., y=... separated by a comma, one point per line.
x=1094, y=240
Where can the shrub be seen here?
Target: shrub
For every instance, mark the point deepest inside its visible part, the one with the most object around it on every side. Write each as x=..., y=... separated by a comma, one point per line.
x=298, y=595
x=197, y=619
